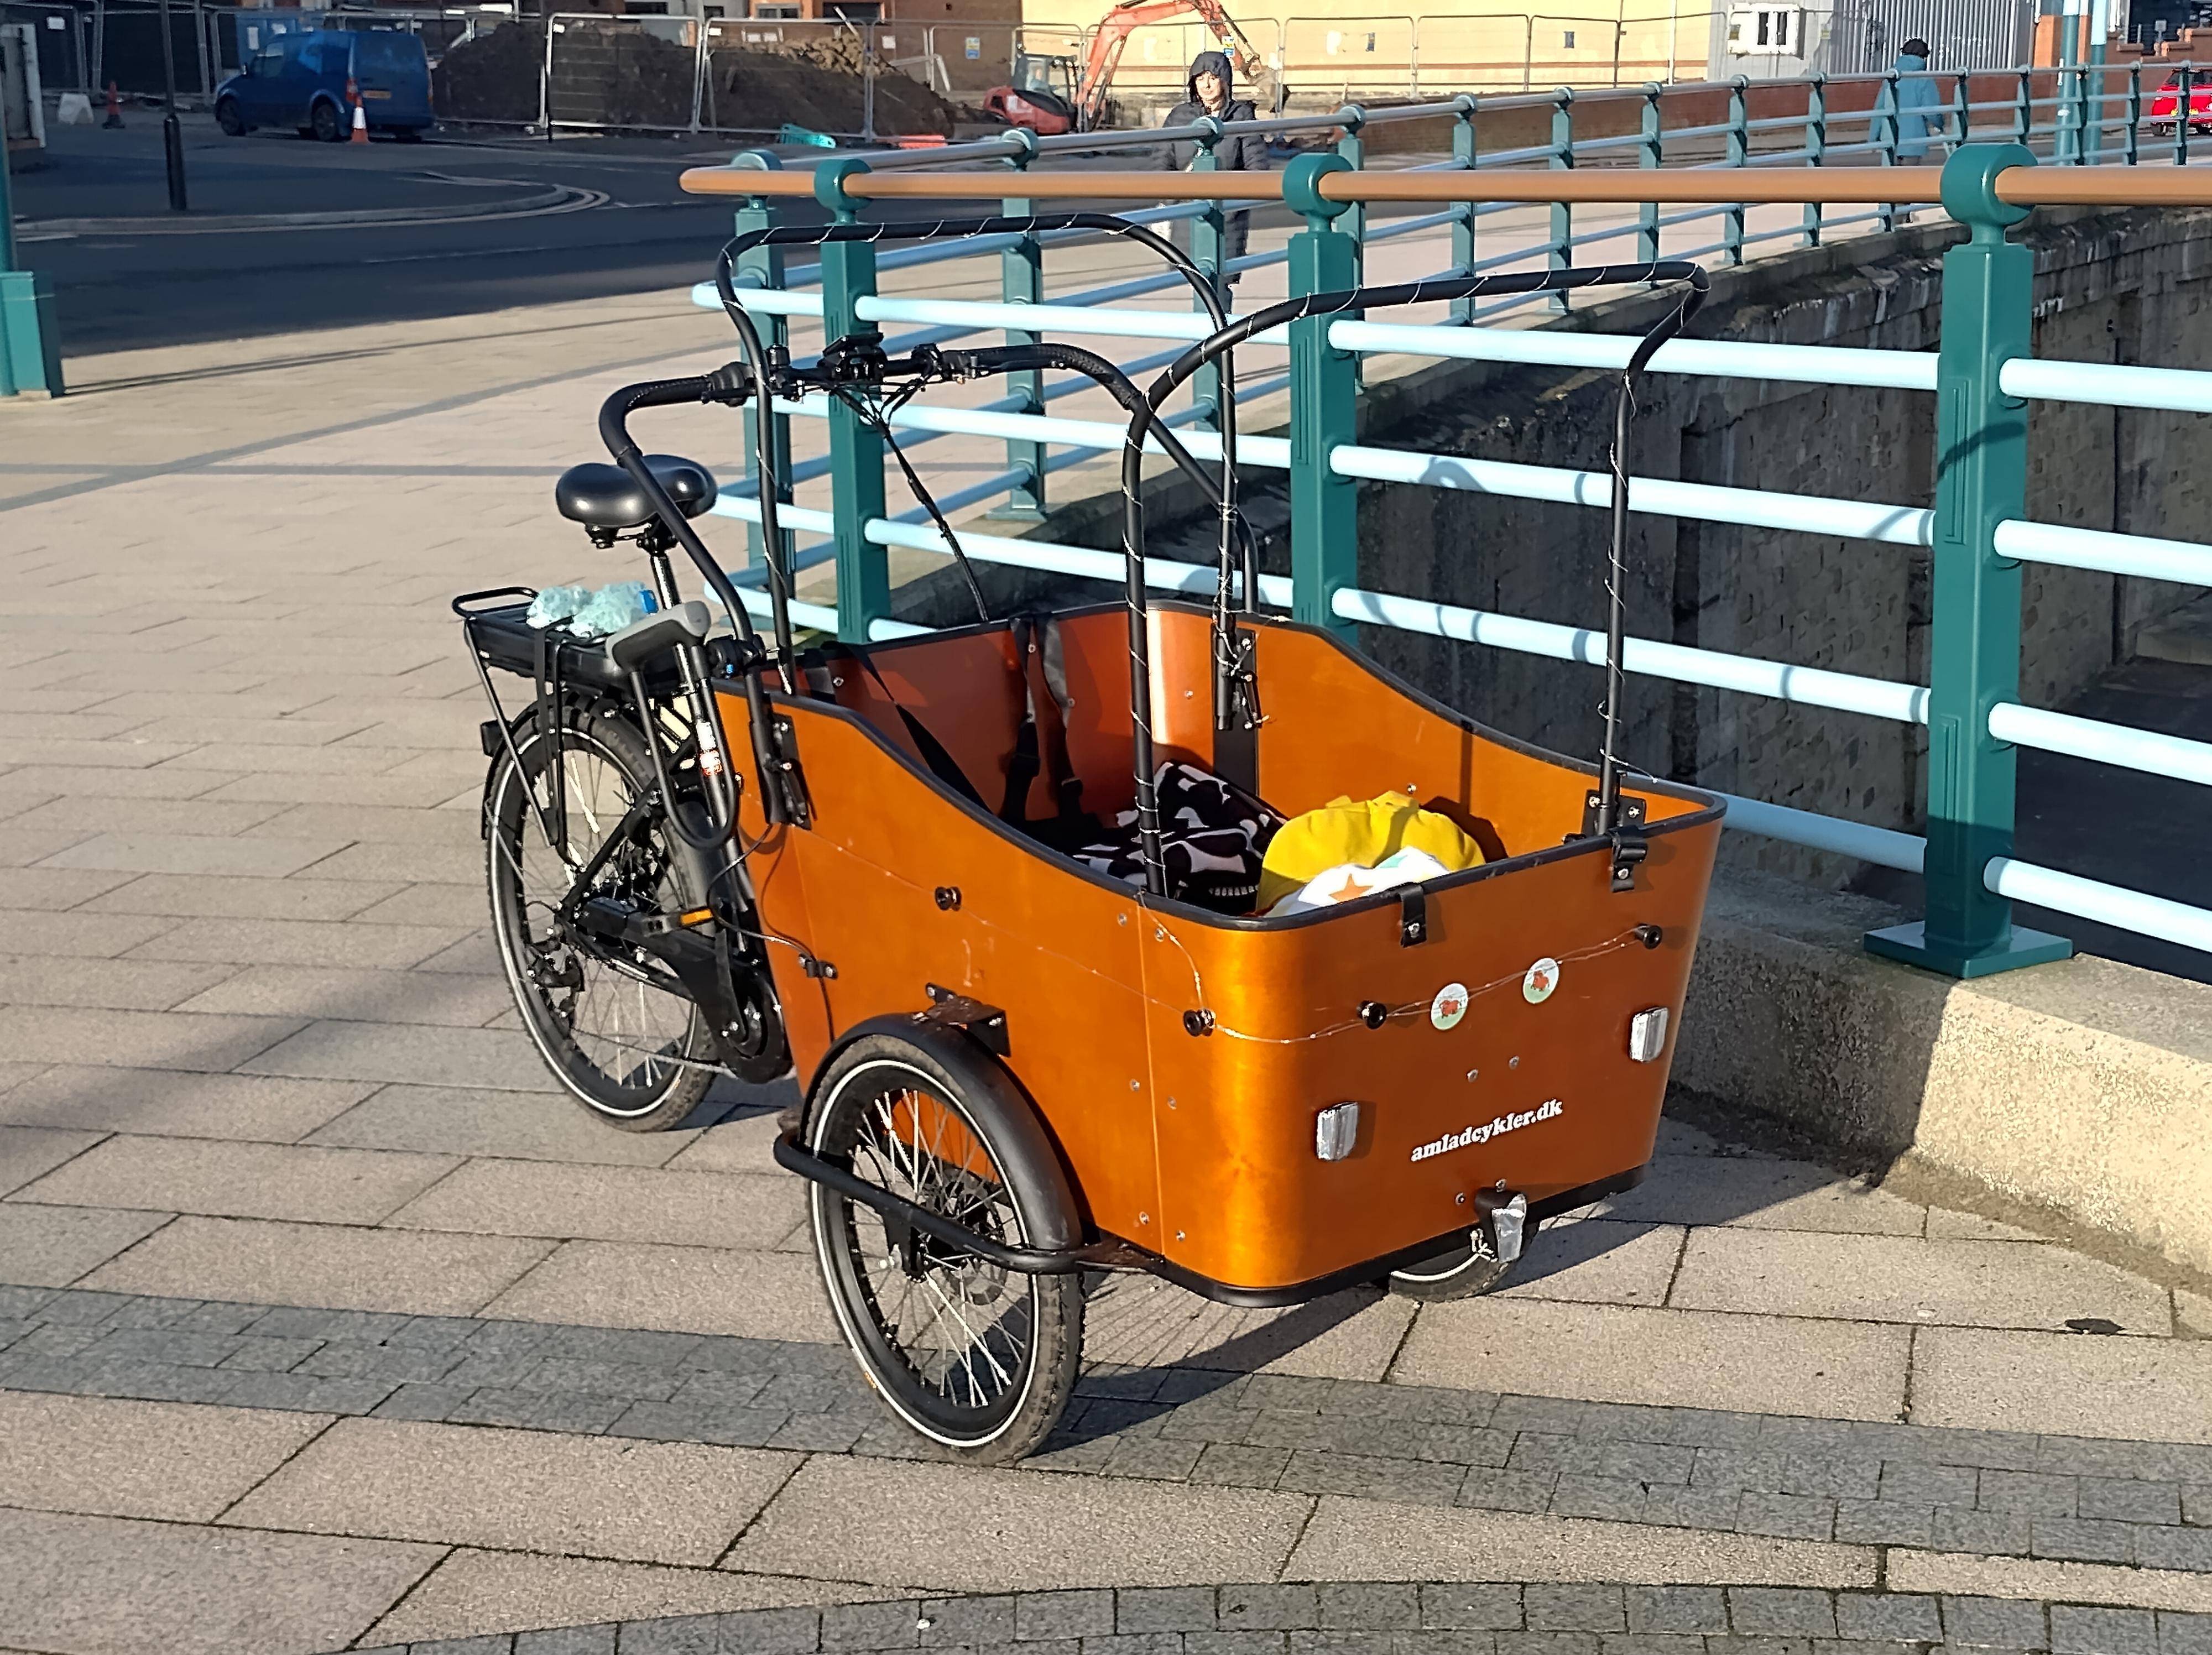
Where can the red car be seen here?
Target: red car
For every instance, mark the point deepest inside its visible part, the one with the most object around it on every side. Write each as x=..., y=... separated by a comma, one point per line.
x=2167, y=100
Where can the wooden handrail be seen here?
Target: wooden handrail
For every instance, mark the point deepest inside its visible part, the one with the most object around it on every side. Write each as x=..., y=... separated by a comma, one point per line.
x=2022, y=186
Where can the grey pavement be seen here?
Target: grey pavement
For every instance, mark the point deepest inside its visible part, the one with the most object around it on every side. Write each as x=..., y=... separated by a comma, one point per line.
x=328, y=1323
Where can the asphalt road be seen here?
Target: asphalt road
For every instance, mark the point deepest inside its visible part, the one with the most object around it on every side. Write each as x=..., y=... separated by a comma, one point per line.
x=128, y=273
x=134, y=276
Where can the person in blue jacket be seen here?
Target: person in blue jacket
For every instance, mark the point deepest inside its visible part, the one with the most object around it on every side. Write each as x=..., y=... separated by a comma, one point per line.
x=1919, y=104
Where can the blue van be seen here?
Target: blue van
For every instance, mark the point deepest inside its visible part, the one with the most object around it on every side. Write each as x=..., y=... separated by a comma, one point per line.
x=299, y=80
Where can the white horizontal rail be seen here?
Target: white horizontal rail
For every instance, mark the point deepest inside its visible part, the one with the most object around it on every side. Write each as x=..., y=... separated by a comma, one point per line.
x=979, y=315
x=2186, y=560
x=2092, y=899
x=1906, y=704
x=1900, y=370
x=2106, y=744
x=763, y=301
x=1085, y=562
x=1897, y=525
x=746, y=509
x=1273, y=451
x=2179, y=389
x=1884, y=846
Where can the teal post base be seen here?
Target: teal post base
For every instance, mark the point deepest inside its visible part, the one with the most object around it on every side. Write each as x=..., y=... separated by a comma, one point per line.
x=2022, y=946
x=30, y=342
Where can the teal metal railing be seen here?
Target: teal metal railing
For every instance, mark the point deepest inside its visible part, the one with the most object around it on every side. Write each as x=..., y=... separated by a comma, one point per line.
x=1977, y=533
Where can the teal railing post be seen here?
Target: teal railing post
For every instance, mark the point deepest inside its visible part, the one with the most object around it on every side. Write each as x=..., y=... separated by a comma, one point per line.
x=762, y=267
x=1462, y=230
x=1560, y=254
x=1962, y=105
x=1650, y=152
x=2133, y=147
x=1021, y=281
x=856, y=453
x=2023, y=108
x=1354, y=222
x=1883, y=132
x=1209, y=243
x=1816, y=146
x=2097, y=26
x=1739, y=155
x=30, y=348
x=1981, y=480
x=2182, y=105
x=1324, y=405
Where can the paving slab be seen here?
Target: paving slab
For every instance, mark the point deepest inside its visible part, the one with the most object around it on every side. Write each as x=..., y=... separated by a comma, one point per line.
x=173, y=1461
x=177, y=1103
x=53, y=1247
x=534, y=1490
x=164, y=852
x=176, y=1040
x=294, y=942
x=309, y=1183
x=1762, y=1194
x=133, y=985
x=476, y=1593
x=98, y=1586
x=1365, y=1540
x=478, y=1120
x=1598, y=1261
x=1669, y=1358
x=611, y=1203
x=756, y=1295
x=365, y=823
x=2022, y=1576
x=231, y=897
x=746, y=1142
x=1142, y=1322
x=54, y=887
x=2070, y=1384
x=29, y=1152
x=387, y=997
x=419, y=1055
x=257, y=1261
x=883, y=1521
x=77, y=935
x=1900, y=1279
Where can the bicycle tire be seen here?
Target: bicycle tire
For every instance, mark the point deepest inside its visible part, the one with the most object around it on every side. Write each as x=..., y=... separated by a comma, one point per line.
x=647, y=1058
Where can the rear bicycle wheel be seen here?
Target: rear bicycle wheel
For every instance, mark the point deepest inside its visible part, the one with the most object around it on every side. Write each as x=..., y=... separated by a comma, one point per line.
x=979, y=1359
x=619, y=1034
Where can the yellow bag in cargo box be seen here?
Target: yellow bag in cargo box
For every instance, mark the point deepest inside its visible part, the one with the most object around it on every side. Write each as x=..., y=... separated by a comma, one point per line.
x=1361, y=831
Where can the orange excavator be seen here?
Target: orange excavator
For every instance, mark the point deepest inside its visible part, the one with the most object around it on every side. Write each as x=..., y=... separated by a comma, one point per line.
x=1050, y=96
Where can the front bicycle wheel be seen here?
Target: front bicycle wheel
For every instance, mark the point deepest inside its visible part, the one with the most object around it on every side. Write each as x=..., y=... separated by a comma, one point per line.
x=978, y=1359
x=619, y=1034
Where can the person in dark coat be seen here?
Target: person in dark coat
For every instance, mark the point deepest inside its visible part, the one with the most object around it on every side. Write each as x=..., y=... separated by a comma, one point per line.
x=1211, y=89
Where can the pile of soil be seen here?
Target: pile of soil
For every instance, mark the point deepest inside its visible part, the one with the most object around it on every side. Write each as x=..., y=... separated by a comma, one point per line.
x=818, y=84
x=615, y=75
x=493, y=77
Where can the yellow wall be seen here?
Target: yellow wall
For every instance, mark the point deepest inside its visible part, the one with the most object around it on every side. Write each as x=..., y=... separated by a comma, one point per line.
x=1452, y=48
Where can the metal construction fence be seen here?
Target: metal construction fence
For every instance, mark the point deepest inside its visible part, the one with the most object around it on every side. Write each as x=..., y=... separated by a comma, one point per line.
x=849, y=78
x=1985, y=378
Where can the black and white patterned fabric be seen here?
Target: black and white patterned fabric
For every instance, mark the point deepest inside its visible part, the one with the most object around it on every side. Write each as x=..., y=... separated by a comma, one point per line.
x=1212, y=837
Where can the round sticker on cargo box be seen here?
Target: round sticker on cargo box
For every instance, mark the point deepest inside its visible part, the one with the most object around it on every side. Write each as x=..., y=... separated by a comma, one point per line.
x=1450, y=1006
x=1542, y=977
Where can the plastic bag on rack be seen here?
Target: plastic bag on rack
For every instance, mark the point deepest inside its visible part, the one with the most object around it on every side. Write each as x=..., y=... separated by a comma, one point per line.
x=612, y=608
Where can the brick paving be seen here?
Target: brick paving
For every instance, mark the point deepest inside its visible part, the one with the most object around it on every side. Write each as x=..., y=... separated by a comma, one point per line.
x=1390, y=1618
x=1997, y=1493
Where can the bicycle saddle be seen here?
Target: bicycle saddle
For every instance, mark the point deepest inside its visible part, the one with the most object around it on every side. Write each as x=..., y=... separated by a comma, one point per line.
x=605, y=497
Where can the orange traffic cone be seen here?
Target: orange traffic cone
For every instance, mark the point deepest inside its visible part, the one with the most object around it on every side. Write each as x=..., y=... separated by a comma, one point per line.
x=114, y=109
x=359, y=114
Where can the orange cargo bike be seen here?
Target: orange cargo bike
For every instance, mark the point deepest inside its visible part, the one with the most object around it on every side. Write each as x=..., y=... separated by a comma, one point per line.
x=1037, y=1035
